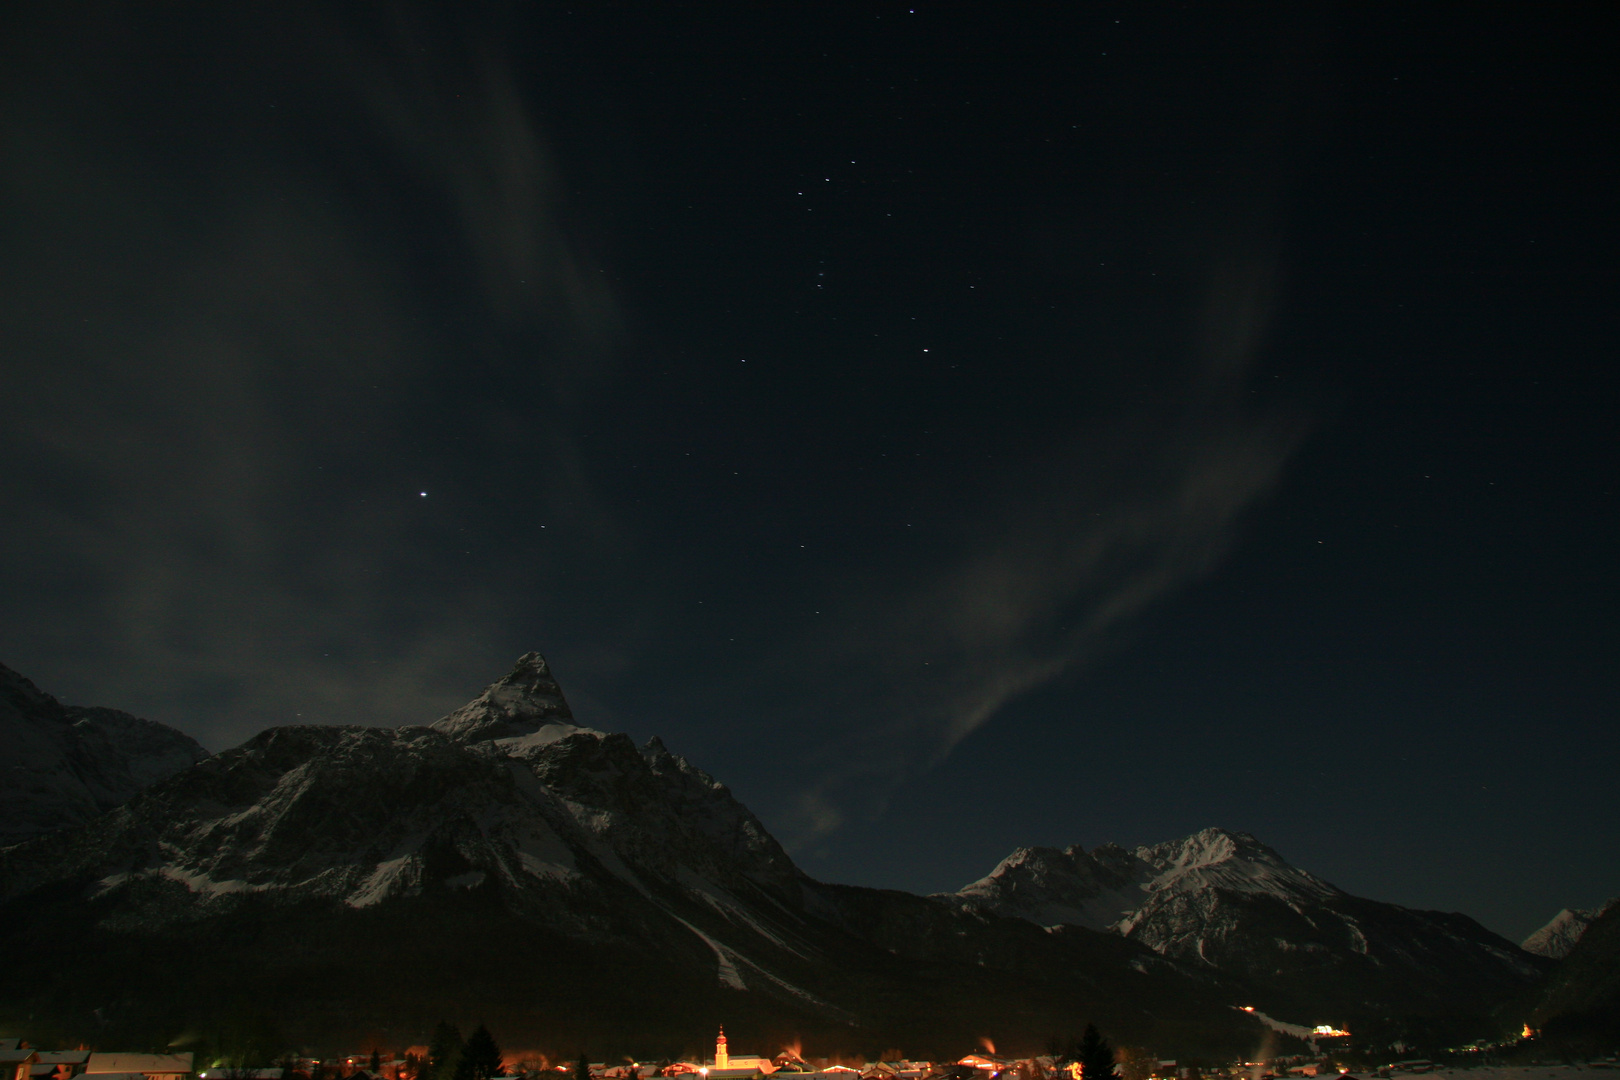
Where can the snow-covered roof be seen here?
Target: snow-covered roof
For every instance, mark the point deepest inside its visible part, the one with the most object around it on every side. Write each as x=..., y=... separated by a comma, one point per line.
x=139, y=1063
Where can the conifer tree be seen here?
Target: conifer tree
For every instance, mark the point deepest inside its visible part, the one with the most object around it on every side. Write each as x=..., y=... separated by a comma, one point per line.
x=582, y=1071
x=480, y=1058
x=444, y=1053
x=1096, y=1057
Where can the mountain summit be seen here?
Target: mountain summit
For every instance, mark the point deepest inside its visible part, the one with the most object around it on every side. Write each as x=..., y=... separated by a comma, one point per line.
x=527, y=700
x=1560, y=935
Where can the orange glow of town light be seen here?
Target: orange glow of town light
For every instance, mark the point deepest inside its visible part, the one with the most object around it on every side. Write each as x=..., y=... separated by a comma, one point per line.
x=1247, y=1008
x=1329, y=1031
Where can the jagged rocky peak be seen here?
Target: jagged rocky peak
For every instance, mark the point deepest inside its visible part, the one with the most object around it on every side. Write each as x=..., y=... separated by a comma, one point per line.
x=1051, y=887
x=1111, y=888
x=64, y=764
x=1208, y=847
x=1232, y=861
x=524, y=703
x=1109, y=867
x=1558, y=937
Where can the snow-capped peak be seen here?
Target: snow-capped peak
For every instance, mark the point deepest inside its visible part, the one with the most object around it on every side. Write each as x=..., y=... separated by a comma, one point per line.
x=1234, y=861
x=1163, y=894
x=1052, y=887
x=1559, y=936
x=1205, y=848
x=523, y=703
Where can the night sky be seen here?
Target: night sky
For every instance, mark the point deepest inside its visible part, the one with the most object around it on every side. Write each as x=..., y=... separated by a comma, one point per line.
x=955, y=428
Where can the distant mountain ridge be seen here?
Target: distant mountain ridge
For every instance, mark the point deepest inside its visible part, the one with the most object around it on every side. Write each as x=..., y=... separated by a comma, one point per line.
x=1559, y=936
x=1225, y=900
x=1114, y=889
x=63, y=765
x=605, y=879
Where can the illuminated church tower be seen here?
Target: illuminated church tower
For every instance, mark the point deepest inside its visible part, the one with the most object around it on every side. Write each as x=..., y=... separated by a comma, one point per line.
x=722, y=1057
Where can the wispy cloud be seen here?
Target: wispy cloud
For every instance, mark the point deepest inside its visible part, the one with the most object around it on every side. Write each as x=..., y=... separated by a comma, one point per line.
x=216, y=363
x=1127, y=514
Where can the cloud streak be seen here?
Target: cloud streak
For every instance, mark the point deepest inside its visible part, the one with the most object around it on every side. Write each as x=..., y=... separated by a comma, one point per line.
x=216, y=359
x=1124, y=517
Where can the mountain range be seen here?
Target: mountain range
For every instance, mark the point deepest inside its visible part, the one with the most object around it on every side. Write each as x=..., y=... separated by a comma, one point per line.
x=1227, y=902
x=506, y=864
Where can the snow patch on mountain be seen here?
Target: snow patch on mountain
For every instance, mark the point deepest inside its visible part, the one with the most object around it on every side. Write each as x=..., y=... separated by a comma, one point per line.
x=544, y=736
x=204, y=885
x=542, y=854
x=392, y=877
x=725, y=958
x=1299, y=1031
x=730, y=908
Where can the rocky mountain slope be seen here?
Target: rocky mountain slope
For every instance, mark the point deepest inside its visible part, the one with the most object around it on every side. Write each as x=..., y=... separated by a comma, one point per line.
x=1225, y=901
x=507, y=865
x=1558, y=937
x=63, y=765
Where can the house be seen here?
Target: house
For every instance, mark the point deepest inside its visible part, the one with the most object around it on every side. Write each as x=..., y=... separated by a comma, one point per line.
x=60, y=1064
x=16, y=1061
x=147, y=1066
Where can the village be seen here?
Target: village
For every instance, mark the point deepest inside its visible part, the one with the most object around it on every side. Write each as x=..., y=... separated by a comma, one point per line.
x=19, y=1061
